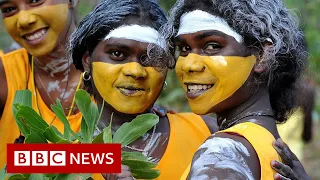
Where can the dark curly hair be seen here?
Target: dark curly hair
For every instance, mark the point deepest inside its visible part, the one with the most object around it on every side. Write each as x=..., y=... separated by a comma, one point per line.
x=257, y=20
x=109, y=15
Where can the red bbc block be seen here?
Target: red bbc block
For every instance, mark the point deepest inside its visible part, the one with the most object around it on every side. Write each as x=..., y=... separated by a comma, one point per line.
x=63, y=158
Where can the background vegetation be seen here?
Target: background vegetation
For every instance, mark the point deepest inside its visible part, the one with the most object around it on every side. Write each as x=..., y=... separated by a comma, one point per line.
x=173, y=96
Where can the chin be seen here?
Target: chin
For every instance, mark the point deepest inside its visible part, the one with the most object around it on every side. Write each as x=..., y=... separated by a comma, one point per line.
x=131, y=111
x=198, y=110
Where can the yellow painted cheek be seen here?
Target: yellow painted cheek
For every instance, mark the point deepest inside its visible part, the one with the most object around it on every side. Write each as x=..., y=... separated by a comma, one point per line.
x=155, y=80
x=231, y=72
x=179, y=71
x=104, y=75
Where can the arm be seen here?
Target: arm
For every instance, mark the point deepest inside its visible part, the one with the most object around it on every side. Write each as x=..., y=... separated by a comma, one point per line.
x=225, y=156
x=4, y=88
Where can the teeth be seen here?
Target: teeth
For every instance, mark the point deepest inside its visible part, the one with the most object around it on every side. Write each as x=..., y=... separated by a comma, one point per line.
x=197, y=88
x=36, y=35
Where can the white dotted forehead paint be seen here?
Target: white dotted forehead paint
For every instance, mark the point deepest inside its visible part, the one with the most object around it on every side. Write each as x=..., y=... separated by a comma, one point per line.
x=198, y=20
x=139, y=33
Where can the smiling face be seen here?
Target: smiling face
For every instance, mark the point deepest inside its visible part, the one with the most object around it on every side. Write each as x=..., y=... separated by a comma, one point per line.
x=36, y=25
x=121, y=79
x=212, y=67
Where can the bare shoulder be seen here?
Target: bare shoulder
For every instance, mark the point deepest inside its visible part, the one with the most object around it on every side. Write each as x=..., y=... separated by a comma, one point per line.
x=211, y=123
x=4, y=87
x=225, y=156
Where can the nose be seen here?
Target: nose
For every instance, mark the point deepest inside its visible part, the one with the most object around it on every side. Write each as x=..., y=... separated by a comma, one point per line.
x=25, y=19
x=192, y=65
x=134, y=70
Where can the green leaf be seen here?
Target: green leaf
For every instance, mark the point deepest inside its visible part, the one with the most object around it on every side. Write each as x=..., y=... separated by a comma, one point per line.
x=85, y=131
x=133, y=156
x=18, y=176
x=31, y=117
x=98, y=139
x=58, y=110
x=138, y=164
x=35, y=137
x=142, y=169
x=22, y=97
x=72, y=176
x=3, y=173
x=107, y=134
x=130, y=131
x=36, y=177
x=50, y=175
x=51, y=135
x=145, y=173
x=89, y=111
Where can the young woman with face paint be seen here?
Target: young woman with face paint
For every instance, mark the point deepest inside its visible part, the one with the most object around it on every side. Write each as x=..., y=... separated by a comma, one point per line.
x=239, y=59
x=125, y=62
x=41, y=27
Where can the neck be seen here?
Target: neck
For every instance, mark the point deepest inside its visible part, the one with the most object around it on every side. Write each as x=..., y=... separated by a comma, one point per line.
x=256, y=109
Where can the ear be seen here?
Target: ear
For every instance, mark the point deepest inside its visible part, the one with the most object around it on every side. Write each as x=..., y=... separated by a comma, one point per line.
x=260, y=67
x=86, y=61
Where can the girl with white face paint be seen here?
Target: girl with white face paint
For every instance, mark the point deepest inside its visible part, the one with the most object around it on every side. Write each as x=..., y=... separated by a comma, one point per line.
x=233, y=62
x=125, y=61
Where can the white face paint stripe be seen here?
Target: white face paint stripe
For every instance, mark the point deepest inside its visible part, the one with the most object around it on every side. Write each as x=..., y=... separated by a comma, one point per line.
x=198, y=20
x=139, y=33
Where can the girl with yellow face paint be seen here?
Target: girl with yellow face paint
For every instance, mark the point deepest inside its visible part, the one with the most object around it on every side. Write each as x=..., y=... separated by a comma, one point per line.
x=125, y=62
x=233, y=61
x=42, y=28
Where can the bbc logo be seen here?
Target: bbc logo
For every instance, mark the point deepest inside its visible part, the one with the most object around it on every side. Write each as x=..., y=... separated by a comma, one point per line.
x=39, y=158
x=63, y=158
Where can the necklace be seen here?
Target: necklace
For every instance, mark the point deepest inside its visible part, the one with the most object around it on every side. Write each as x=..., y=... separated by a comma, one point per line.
x=42, y=84
x=35, y=92
x=148, y=146
x=228, y=123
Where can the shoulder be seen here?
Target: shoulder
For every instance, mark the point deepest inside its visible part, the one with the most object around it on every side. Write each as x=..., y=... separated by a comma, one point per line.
x=225, y=156
x=211, y=123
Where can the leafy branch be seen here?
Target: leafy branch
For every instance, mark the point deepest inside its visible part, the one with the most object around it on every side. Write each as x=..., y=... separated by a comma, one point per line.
x=36, y=130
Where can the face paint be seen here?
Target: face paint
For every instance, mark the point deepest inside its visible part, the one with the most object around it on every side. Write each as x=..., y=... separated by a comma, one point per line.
x=129, y=88
x=210, y=80
x=198, y=20
x=135, y=32
x=38, y=29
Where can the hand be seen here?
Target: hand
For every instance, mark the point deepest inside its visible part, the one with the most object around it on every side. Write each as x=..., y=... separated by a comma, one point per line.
x=162, y=111
x=124, y=175
x=292, y=169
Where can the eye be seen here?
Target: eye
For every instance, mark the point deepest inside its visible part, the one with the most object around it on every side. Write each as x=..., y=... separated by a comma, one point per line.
x=185, y=48
x=35, y=2
x=117, y=55
x=182, y=50
x=212, y=48
x=8, y=11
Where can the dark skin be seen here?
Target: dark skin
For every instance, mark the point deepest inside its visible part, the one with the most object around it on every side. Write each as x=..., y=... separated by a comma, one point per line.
x=215, y=43
x=44, y=77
